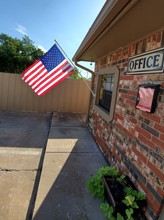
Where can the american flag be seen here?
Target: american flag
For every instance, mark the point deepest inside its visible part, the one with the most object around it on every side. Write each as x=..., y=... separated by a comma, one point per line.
x=48, y=71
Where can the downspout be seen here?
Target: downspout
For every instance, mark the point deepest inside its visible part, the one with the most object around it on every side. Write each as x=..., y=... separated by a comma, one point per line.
x=92, y=83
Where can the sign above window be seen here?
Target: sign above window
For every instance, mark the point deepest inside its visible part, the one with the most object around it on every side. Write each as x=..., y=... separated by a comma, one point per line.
x=150, y=62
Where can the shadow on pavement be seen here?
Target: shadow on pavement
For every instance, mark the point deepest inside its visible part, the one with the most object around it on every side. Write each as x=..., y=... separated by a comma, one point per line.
x=23, y=138
x=24, y=130
x=71, y=158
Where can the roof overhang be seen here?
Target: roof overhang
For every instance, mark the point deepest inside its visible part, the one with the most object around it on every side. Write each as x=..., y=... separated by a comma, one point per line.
x=119, y=23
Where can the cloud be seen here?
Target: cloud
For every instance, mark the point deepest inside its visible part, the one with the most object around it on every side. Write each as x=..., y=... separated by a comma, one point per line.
x=21, y=29
x=42, y=48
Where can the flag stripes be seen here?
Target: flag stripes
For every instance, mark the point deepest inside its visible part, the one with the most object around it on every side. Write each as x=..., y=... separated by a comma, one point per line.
x=47, y=72
x=49, y=77
x=31, y=68
x=43, y=78
x=53, y=83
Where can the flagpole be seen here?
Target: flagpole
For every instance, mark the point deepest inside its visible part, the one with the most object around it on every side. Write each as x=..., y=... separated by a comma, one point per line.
x=74, y=66
x=64, y=53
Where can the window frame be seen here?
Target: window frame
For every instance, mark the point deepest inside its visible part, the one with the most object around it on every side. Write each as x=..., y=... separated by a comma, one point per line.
x=108, y=116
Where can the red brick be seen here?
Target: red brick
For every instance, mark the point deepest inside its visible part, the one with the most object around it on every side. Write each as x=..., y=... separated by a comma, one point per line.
x=149, y=195
x=121, y=77
x=109, y=158
x=116, y=156
x=143, y=186
x=125, y=96
x=140, y=162
x=146, y=141
x=98, y=126
x=157, y=172
x=152, y=121
x=162, y=137
x=141, y=156
x=101, y=143
x=159, y=36
x=157, y=204
x=95, y=116
x=157, y=142
x=132, y=132
x=126, y=171
x=143, y=132
x=152, y=205
x=154, y=77
x=123, y=105
x=121, y=127
x=128, y=77
x=134, y=120
x=105, y=126
x=134, y=93
x=159, y=127
x=131, y=102
x=151, y=117
x=149, y=39
x=139, y=78
x=117, y=116
x=149, y=129
x=160, y=192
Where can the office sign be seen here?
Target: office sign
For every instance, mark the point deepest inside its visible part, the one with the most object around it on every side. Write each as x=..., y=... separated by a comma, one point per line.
x=151, y=62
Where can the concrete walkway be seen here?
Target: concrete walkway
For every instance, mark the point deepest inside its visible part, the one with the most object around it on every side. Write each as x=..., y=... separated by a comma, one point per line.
x=23, y=138
x=71, y=158
x=48, y=158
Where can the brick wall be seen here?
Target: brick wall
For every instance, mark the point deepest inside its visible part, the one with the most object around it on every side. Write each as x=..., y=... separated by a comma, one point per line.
x=134, y=140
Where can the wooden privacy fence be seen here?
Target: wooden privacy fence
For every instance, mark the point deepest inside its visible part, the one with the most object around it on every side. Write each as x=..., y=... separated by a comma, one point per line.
x=71, y=95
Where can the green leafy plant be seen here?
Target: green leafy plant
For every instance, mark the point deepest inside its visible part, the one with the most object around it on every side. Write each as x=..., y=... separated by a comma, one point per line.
x=119, y=216
x=96, y=187
x=108, y=212
x=106, y=170
x=131, y=198
x=95, y=184
x=137, y=194
x=121, y=179
x=130, y=201
x=129, y=213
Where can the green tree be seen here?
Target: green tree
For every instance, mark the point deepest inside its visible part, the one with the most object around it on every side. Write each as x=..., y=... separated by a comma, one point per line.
x=16, y=55
x=75, y=74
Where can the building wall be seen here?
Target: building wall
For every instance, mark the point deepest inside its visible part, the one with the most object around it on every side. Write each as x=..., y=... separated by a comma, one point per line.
x=71, y=95
x=134, y=140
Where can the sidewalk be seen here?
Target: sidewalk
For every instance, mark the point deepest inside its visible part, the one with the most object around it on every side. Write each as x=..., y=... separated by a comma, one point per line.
x=71, y=158
x=23, y=138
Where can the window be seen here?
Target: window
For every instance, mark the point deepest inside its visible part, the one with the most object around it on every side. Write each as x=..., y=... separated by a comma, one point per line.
x=106, y=88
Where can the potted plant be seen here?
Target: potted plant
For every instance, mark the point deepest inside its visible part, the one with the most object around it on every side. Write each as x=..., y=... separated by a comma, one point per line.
x=121, y=200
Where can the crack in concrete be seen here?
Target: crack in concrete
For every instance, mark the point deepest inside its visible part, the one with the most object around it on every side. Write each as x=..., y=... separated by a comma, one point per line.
x=15, y=170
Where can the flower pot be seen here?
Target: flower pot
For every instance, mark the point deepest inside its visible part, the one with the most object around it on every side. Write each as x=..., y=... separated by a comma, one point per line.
x=114, y=193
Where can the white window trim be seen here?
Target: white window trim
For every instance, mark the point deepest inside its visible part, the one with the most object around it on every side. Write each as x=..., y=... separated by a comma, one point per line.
x=108, y=70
